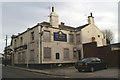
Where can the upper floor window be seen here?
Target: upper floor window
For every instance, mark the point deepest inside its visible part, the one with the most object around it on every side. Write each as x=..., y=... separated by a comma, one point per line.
x=71, y=38
x=21, y=40
x=98, y=35
x=32, y=35
x=46, y=36
x=78, y=38
x=15, y=43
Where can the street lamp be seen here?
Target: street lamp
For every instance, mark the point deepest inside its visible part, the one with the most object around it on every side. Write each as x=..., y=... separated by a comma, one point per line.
x=41, y=34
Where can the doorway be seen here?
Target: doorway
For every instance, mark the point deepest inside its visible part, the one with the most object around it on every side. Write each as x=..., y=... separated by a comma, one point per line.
x=57, y=56
x=79, y=54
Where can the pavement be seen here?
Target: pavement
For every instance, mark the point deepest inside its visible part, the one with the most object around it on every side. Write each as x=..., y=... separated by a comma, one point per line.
x=71, y=72
x=47, y=72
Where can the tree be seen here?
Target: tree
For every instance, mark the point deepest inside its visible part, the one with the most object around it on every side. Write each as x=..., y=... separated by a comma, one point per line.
x=108, y=34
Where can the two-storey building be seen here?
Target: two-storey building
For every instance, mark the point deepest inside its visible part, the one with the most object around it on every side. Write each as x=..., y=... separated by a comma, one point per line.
x=51, y=42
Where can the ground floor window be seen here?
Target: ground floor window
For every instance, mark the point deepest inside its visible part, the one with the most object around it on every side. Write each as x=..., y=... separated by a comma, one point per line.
x=19, y=57
x=23, y=56
x=57, y=56
x=74, y=55
x=47, y=53
x=66, y=53
x=32, y=55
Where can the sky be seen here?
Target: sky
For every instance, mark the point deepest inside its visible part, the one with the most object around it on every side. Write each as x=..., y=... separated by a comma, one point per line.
x=18, y=16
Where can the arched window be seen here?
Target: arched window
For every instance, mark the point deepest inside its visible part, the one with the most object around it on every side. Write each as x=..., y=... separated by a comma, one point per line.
x=57, y=56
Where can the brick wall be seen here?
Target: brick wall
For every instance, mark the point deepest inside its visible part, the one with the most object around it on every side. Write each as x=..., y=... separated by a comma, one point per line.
x=104, y=53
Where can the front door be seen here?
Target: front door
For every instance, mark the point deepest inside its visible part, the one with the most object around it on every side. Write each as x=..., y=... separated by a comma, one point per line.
x=79, y=54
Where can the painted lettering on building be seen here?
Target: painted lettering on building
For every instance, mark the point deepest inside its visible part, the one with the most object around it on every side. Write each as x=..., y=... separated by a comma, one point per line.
x=60, y=36
x=20, y=48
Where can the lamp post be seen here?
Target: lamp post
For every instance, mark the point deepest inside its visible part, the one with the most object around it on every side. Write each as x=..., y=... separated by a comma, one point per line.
x=41, y=33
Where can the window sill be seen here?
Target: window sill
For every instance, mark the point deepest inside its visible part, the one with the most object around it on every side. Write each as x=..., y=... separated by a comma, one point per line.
x=71, y=43
x=47, y=41
x=47, y=59
x=66, y=59
x=32, y=41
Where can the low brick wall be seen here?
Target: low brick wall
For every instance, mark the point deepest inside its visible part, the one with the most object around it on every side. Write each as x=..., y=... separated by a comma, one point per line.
x=44, y=66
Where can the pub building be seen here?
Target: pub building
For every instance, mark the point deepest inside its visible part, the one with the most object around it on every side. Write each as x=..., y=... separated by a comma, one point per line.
x=51, y=43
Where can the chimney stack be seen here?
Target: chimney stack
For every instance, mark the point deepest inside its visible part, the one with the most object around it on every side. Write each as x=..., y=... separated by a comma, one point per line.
x=54, y=19
x=91, y=19
x=52, y=9
x=62, y=23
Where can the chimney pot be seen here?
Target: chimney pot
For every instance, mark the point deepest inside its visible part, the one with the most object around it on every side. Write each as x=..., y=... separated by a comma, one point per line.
x=52, y=9
x=91, y=14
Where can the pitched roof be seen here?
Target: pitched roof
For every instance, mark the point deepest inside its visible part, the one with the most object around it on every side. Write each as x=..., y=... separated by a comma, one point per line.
x=47, y=24
x=66, y=27
x=83, y=26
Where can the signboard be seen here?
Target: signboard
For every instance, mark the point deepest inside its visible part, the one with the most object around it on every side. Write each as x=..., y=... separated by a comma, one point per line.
x=20, y=48
x=60, y=36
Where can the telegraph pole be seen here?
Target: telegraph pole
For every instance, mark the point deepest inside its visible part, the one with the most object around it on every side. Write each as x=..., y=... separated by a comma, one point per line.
x=6, y=52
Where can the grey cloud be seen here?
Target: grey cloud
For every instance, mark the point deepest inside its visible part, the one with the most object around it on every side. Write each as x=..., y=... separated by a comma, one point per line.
x=18, y=16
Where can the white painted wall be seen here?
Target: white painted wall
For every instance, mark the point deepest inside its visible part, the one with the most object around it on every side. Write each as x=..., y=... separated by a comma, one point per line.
x=92, y=31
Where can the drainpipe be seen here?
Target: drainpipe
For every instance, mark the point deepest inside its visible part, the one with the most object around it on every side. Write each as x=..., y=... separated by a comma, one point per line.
x=41, y=34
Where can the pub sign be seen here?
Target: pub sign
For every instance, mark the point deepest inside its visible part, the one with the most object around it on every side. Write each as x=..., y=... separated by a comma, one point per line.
x=23, y=47
x=60, y=36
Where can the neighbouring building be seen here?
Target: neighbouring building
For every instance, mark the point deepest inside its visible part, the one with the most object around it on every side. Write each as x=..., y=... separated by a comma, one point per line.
x=1, y=55
x=115, y=46
x=51, y=42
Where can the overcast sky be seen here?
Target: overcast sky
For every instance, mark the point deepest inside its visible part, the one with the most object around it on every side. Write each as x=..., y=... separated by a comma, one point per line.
x=18, y=16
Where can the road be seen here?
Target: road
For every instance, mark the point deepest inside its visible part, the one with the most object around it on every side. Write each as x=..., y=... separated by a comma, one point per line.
x=69, y=72
x=8, y=72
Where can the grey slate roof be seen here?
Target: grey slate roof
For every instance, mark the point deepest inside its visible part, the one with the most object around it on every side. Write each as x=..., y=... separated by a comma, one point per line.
x=66, y=27
x=47, y=24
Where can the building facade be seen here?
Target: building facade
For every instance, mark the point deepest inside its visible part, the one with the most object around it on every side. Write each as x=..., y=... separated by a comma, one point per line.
x=47, y=43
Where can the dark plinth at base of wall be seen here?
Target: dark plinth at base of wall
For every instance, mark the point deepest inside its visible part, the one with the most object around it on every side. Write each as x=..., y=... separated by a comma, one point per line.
x=44, y=66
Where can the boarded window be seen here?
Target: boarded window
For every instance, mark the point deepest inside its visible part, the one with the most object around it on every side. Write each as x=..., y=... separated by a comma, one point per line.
x=66, y=53
x=32, y=35
x=19, y=57
x=23, y=56
x=31, y=55
x=46, y=36
x=71, y=38
x=78, y=38
x=47, y=53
